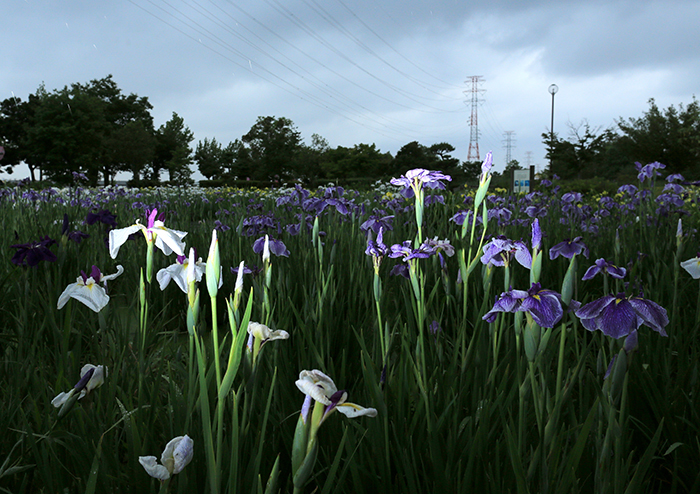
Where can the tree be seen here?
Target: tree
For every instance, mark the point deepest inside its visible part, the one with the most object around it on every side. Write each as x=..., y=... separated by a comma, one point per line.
x=83, y=128
x=360, y=161
x=173, y=152
x=410, y=156
x=669, y=136
x=208, y=156
x=273, y=146
x=586, y=154
x=16, y=118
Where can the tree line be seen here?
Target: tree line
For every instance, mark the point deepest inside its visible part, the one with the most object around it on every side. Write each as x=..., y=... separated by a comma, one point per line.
x=670, y=136
x=97, y=130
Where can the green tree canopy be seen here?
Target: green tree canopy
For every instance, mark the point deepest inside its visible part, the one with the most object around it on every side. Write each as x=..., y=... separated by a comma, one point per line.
x=271, y=149
x=173, y=152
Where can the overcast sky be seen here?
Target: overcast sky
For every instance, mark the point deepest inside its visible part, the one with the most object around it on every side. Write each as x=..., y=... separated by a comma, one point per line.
x=355, y=71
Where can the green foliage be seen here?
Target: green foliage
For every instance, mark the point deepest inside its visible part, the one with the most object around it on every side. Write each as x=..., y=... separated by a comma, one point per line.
x=668, y=136
x=459, y=410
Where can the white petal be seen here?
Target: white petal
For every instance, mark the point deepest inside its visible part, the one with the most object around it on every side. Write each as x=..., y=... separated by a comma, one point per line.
x=105, y=278
x=153, y=469
x=60, y=399
x=311, y=389
x=352, y=410
x=98, y=377
x=118, y=237
x=66, y=295
x=239, y=278
x=259, y=331
x=692, y=266
x=176, y=272
x=190, y=267
x=169, y=241
x=183, y=453
x=320, y=379
x=94, y=296
x=278, y=334
x=164, y=276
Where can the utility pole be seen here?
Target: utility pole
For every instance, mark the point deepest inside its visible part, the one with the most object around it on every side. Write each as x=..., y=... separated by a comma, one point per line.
x=474, y=91
x=508, y=144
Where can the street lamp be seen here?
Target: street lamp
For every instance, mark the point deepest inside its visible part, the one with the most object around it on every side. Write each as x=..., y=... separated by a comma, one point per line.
x=552, y=90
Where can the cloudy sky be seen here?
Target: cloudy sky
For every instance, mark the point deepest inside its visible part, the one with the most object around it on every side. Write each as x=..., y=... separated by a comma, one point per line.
x=355, y=71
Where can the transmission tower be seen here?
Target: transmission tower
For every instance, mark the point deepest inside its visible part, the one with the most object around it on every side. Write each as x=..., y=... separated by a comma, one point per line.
x=508, y=144
x=473, y=97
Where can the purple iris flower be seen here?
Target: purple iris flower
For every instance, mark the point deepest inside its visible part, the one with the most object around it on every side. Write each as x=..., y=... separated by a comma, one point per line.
x=675, y=177
x=103, y=216
x=254, y=270
x=649, y=171
x=219, y=226
x=418, y=178
x=501, y=249
x=569, y=248
x=400, y=270
x=376, y=248
x=536, y=235
x=277, y=247
x=627, y=189
x=33, y=253
x=605, y=267
x=377, y=221
x=618, y=316
x=76, y=235
x=543, y=305
x=407, y=252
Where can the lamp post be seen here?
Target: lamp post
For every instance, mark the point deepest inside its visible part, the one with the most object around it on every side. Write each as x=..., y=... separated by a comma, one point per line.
x=552, y=90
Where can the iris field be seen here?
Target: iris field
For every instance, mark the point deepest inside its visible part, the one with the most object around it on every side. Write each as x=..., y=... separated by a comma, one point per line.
x=471, y=341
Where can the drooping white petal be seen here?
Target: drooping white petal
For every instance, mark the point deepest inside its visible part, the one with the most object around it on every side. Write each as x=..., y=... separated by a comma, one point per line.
x=118, y=237
x=692, y=266
x=168, y=240
x=108, y=277
x=61, y=398
x=154, y=469
x=66, y=295
x=352, y=410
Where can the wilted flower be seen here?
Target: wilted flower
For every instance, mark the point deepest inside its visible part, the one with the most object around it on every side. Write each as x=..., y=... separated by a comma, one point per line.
x=91, y=377
x=176, y=455
x=263, y=334
x=543, y=305
x=321, y=388
x=618, y=316
x=33, y=253
x=569, y=248
x=87, y=290
x=165, y=239
x=605, y=267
